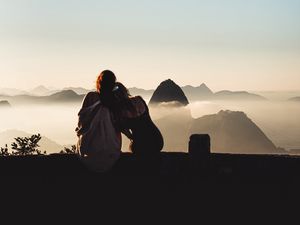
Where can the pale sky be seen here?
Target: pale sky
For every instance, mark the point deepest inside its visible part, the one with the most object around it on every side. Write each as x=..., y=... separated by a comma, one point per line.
x=227, y=44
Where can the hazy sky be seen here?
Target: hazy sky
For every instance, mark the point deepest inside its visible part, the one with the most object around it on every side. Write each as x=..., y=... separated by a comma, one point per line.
x=228, y=44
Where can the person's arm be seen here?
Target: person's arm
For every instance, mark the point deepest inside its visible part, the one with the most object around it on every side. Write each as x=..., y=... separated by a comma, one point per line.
x=127, y=133
x=89, y=99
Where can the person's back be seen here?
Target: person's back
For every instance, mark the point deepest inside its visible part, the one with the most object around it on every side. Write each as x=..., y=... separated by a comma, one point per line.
x=99, y=143
x=146, y=137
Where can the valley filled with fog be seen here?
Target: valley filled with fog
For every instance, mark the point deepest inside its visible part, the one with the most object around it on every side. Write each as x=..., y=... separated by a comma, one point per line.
x=279, y=120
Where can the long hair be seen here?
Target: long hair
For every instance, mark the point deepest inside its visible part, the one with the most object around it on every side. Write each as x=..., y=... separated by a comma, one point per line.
x=121, y=102
x=105, y=81
x=104, y=86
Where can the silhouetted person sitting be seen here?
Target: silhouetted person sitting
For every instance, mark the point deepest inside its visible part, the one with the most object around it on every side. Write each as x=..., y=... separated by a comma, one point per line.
x=133, y=118
x=99, y=142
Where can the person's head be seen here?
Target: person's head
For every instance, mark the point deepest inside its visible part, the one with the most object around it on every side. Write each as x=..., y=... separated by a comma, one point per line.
x=121, y=102
x=120, y=92
x=105, y=81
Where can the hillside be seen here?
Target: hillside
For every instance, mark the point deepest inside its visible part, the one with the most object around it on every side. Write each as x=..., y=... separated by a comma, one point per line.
x=64, y=96
x=234, y=132
x=40, y=91
x=4, y=104
x=78, y=90
x=59, y=97
x=134, y=91
x=201, y=92
x=237, y=96
x=12, y=92
x=295, y=99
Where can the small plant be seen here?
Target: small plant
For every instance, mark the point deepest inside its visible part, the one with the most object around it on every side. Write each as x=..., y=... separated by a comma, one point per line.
x=27, y=145
x=71, y=150
x=4, y=151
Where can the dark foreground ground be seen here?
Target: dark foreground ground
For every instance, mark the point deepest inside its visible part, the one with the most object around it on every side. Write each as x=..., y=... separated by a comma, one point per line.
x=172, y=186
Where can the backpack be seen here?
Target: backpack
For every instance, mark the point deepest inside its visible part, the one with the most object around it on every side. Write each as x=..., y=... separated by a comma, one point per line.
x=99, y=144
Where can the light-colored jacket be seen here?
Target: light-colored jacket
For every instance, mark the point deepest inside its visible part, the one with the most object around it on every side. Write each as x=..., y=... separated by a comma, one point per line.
x=99, y=144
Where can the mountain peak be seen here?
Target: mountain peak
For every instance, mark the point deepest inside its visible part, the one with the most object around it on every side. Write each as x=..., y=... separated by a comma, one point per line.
x=197, y=93
x=40, y=87
x=4, y=104
x=77, y=90
x=168, y=91
x=65, y=95
x=204, y=86
x=40, y=90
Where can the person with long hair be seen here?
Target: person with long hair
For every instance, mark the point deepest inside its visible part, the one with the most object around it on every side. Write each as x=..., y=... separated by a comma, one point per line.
x=133, y=119
x=99, y=142
x=105, y=83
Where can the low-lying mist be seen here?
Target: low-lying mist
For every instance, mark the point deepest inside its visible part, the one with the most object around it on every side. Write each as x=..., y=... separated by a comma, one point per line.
x=278, y=120
x=56, y=122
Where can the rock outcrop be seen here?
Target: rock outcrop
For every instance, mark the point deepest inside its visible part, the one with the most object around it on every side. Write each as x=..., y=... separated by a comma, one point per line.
x=169, y=92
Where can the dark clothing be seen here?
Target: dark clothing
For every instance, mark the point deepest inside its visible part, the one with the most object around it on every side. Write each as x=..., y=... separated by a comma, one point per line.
x=147, y=138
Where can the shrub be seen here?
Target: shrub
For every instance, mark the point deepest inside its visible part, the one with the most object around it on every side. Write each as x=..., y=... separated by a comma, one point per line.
x=27, y=145
x=4, y=151
x=71, y=150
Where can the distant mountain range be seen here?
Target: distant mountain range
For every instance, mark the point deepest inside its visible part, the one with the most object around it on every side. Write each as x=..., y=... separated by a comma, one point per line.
x=4, y=104
x=295, y=99
x=67, y=96
x=142, y=92
x=12, y=92
x=41, y=91
x=230, y=131
x=237, y=95
x=192, y=93
x=79, y=90
x=278, y=95
x=7, y=137
x=201, y=92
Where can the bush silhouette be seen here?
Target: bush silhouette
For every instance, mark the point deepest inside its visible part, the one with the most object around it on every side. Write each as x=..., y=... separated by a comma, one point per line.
x=27, y=145
x=4, y=151
x=71, y=150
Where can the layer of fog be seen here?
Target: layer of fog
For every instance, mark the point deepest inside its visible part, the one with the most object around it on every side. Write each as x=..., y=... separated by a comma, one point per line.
x=279, y=120
x=56, y=122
